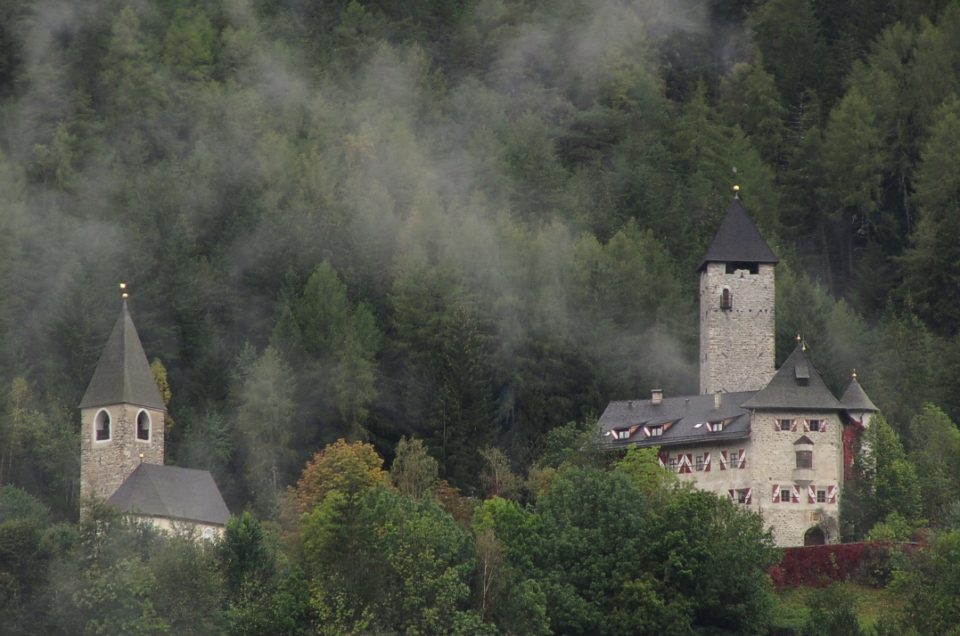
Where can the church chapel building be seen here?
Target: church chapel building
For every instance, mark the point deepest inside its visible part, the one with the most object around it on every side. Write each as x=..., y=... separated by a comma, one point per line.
x=122, y=445
x=769, y=439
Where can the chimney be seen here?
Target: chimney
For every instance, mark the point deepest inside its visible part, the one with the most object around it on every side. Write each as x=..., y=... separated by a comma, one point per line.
x=716, y=400
x=656, y=396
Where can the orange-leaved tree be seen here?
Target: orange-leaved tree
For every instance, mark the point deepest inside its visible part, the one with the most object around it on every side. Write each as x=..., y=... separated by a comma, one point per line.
x=346, y=467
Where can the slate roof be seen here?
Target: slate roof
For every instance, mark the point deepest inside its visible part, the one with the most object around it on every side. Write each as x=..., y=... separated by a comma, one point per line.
x=855, y=398
x=123, y=375
x=796, y=385
x=182, y=494
x=686, y=415
x=738, y=240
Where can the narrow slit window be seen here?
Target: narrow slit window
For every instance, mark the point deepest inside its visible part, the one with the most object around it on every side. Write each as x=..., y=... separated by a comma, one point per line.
x=726, y=299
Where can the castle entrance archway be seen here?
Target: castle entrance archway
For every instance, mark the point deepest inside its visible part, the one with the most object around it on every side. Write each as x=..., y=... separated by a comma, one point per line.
x=814, y=536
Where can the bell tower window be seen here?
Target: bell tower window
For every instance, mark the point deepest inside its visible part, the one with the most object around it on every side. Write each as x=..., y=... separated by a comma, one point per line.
x=101, y=426
x=143, y=426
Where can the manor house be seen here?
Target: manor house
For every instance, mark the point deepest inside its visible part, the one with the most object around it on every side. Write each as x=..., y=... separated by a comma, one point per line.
x=769, y=439
x=121, y=445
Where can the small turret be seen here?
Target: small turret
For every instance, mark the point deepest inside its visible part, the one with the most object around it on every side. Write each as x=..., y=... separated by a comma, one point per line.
x=857, y=404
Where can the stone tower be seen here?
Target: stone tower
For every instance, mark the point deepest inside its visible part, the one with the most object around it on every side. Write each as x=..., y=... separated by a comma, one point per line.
x=736, y=307
x=121, y=414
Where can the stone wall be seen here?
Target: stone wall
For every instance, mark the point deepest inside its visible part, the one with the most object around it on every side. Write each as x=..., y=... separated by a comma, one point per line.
x=775, y=463
x=105, y=464
x=736, y=344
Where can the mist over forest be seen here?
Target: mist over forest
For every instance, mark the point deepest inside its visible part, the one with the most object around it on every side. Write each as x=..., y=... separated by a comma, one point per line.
x=470, y=223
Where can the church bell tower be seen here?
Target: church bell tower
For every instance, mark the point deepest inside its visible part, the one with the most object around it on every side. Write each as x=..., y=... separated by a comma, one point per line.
x=121, y=414
x=737, y=333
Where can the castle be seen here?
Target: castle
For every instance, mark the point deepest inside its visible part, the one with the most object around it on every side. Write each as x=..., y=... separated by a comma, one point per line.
x=769, y=439
x=121, y=444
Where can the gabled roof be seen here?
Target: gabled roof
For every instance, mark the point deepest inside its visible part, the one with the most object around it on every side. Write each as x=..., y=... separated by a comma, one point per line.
x=855, y=398
x=738, y=240
x=796, y=385
x=684, y=420
x=123, y=375
x=176, y=493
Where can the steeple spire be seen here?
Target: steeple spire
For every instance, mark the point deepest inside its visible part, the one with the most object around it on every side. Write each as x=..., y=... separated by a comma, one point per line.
x=123, y=375
x=738, y=240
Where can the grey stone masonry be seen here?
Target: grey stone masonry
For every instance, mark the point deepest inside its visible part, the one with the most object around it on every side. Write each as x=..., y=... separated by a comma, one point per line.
x=737, y=337
x=104, y=464
x=775, y=469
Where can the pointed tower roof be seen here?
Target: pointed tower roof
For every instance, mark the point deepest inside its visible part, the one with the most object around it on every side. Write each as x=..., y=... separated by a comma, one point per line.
x=123, y=375
x=855, y=398
x=738, y=240
x=796, y=385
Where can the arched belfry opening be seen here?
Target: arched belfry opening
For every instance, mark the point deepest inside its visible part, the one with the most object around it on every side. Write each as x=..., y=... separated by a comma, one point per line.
x=143, y=426
x=101, y=426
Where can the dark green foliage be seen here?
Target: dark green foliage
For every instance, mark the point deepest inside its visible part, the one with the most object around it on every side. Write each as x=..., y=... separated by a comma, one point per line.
x=383, y=561
x=832, y=613
x=928, y=586
x=469, y=222
x=611, y=558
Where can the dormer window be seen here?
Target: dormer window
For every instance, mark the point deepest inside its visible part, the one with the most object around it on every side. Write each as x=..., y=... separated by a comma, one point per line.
x=726, y=299
x=143, y=426
x=715, y=427
x=101, y=426
x=622, y=433
x=655, y=431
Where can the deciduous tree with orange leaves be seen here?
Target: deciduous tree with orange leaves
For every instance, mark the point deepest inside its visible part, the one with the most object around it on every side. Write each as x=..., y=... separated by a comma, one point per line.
x=349, y=468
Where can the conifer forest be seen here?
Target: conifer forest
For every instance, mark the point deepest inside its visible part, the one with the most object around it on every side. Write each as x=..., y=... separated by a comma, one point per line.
x=390, y=260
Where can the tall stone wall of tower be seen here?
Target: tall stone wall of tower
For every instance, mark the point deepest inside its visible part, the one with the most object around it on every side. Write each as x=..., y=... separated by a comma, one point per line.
x=105, y=464
x=737, y=339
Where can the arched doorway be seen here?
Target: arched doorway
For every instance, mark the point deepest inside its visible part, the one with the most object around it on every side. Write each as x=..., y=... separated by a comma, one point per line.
x=814, y=536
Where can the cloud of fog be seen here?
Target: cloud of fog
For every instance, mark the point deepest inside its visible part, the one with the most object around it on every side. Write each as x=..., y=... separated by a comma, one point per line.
x=372, y=171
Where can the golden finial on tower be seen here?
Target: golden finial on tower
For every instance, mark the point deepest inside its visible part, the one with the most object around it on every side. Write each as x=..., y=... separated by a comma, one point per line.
x=123, y=291
x=736, y=191
x=853, y=375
